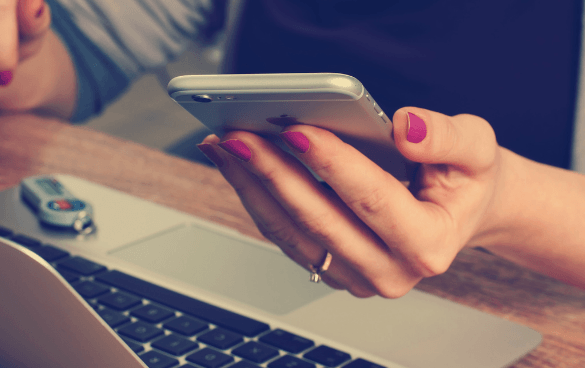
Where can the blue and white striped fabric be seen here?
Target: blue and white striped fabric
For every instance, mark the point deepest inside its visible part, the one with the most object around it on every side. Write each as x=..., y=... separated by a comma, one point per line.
x=112, y=42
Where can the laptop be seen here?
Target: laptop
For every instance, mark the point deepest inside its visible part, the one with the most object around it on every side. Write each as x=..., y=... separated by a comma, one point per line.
x=154, y=287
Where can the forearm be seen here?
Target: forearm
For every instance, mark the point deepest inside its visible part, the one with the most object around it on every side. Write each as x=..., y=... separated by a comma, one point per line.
x=541, y=219
x=44, y=83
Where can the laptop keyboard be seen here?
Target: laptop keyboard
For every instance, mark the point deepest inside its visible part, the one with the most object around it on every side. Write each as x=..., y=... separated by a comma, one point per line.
x=168, y=329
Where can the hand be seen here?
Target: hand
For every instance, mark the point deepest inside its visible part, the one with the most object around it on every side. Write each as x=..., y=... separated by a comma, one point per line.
x=36, y=72
x=384, y=237
x=23, y=27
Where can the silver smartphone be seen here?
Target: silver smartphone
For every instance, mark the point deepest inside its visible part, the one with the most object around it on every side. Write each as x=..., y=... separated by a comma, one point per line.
x=266, y=103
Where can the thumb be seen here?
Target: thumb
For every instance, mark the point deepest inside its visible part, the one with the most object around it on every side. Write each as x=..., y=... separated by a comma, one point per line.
x=464, y=141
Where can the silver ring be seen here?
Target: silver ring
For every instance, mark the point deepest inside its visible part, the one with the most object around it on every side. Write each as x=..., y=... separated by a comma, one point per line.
x=317, y=271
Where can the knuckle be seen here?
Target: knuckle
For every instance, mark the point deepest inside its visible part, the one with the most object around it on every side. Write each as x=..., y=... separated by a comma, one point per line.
x=390, y=290
x=279, y=235
x=429, y=265
x=484, y=144
x=392, y=293
x=447, y=142
x=372, y=203
x=487, y=155
x=317, y=225
x=431, y=254
x=360, y=292
x=325, y=168
x=240, y=188
x=269, y=176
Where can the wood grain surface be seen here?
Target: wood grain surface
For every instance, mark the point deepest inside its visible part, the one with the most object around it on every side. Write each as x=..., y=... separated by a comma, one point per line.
x=30, y=146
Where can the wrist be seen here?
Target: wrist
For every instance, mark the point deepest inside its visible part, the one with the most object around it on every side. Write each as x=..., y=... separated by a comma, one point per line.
x=502, y=222
x=538, y=218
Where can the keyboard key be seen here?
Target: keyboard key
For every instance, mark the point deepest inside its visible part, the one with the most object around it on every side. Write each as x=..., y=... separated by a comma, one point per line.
x=154, y=359
x=362, y=363
x=327, y=356
x=5, y=232
x=175, y=345
x=113, y=318
x=50, y=253
x=90, y=289
x=209, y=358
x=119, y=301
x=186, y=326
x=140, y=331
x=94, y=304
x=188, y=366
x=220, y=338
x=70, y=277
x=82, y=266
x=153, y=313
x=137, y=348
x=244, y=364
x=207, y=312
x=26, y=241
x=287, y=341
x=289, y=361
x=255, y=352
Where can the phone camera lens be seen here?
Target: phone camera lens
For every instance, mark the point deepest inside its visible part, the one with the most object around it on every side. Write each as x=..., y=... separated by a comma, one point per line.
x=201, y=98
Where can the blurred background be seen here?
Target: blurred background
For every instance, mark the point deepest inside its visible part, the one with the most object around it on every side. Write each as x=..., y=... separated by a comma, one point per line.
x=147, y=115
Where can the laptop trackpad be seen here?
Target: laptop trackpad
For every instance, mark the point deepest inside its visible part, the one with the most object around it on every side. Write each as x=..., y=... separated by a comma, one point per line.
x=226, y=264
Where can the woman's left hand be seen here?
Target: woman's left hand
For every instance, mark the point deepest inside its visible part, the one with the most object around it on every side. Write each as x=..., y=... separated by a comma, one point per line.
x=384, y=237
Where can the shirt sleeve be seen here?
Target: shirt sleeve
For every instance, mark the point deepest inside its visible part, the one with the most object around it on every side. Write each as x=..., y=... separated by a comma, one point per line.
x=111, y=43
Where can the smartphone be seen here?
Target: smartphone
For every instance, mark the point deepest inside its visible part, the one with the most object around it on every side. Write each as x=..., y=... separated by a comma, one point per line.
x=266, y=103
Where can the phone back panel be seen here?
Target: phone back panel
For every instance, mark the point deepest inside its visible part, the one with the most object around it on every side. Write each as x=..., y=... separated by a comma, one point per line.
x=334, y=102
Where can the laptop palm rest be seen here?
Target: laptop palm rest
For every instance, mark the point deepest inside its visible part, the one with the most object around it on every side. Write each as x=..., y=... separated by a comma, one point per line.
x=417, y=330
x=222, y=267
x=257, y=275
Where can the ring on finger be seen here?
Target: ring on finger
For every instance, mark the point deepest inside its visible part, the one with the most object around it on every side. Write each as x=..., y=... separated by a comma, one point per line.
x=317, y=271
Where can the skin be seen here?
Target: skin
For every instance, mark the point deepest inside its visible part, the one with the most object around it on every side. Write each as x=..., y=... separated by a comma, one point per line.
x=385, y=237
x=44, y=78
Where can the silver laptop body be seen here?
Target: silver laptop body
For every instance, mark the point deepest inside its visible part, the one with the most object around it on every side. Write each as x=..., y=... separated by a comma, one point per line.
x=220, y=266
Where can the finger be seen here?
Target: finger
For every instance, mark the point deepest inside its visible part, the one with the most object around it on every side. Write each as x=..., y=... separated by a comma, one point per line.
x=274, y=223
x=325, y=217
x=33, y=18
x=8, y=36
x=459, y=157
x=416, y=232
x=465, y=141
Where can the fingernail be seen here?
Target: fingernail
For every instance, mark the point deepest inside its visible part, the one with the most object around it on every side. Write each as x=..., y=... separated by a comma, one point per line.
x=210, y=153
x=237, y=148
x=296, y=140
x=5, y=78
x=41, y=10
x=417, y=130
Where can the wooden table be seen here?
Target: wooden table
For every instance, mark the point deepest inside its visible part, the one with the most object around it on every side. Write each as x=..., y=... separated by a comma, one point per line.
x=32, y=146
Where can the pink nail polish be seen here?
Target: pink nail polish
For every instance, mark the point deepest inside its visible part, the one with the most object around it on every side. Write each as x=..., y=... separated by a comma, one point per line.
x=417, y=129
x=237, y=148
x=296, y=140
x=210, y=153
x=5, y=78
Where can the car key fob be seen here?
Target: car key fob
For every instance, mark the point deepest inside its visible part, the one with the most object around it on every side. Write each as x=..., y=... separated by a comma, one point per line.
x=55, y=205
